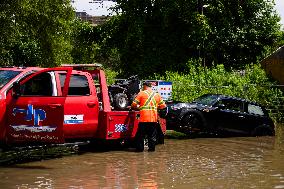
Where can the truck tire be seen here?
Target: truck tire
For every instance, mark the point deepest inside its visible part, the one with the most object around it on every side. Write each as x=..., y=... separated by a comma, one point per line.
x=120, y=101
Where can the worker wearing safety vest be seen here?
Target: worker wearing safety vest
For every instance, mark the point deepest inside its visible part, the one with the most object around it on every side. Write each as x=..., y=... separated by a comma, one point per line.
x=147, y=101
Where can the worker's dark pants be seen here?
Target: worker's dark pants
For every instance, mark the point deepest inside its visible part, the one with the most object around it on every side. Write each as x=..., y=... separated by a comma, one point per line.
x=149, y=129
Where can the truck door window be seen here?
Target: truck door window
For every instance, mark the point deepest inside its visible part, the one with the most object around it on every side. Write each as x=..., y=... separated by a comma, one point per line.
x=6, y=76
x=40, y=85
x=78, y=85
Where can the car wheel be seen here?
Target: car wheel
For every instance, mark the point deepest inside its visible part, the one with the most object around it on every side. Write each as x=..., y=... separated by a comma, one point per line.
x=191, y=123
x=120, y=101
x=263, y=130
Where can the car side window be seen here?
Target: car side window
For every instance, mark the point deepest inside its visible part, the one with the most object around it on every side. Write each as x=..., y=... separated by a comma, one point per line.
x=233, y=105
x=40, y=85
x=78, y=86
x=254, y=109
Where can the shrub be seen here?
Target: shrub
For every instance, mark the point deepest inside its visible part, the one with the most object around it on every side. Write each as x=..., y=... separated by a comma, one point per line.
x=250, y=83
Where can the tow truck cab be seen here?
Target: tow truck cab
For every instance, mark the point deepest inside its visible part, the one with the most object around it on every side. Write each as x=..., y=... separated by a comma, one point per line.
x=8, y=76
x=57, y=105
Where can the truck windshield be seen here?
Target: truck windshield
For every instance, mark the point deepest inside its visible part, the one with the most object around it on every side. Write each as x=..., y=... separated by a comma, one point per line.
x=6, y=76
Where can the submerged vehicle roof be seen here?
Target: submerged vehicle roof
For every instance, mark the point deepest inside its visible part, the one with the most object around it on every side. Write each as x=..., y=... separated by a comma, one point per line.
x=222, y=96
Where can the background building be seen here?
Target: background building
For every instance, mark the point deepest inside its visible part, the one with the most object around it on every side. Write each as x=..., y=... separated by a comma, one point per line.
x=95, y=12
x=94, y=20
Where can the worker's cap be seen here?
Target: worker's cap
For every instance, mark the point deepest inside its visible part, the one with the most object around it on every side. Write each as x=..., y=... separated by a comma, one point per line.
x=147, y=83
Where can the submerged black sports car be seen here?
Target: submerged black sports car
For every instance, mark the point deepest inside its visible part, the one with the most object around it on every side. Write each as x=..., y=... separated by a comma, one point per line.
x=219, y=114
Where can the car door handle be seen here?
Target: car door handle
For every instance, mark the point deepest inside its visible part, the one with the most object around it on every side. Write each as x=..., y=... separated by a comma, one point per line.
x=54, y=105
x=91, y=104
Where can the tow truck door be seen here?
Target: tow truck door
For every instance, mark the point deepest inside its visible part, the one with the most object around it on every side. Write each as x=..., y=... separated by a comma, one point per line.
x=81, y=107
x=36, y=113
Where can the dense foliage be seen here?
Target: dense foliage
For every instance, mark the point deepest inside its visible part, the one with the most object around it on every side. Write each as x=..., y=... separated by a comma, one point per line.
x=163, y=35
x=250, y=83
x=152, y=37
x=35, y=32
x=84, y=42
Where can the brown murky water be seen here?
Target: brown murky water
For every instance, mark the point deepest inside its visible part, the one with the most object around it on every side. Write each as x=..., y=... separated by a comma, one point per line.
x=187, y=163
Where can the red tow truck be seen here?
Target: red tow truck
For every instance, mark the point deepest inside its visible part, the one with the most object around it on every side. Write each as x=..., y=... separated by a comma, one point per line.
x=58, y=105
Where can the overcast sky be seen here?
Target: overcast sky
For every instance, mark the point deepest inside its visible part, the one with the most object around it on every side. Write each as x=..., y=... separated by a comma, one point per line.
x=100, y=7
x=280, y=10
x=95, y=8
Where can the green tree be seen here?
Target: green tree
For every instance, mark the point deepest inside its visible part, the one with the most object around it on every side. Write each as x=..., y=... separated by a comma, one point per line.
x=156, y=35
x=7, y=29
x=240, y=31
x=281, y=39
x=35, y=32
x=153, y=35
x=85, y=42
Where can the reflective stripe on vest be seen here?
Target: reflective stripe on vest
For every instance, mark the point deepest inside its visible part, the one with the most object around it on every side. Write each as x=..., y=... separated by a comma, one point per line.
x=150, y=99
x=148, y=108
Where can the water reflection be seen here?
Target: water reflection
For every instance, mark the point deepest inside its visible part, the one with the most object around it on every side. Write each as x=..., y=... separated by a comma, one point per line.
x=103, y=170
x=255, y=162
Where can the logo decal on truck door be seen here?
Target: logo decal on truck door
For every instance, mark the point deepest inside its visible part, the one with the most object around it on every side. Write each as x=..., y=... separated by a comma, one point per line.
x=37, y=115
x=31, y=113
x=73, y=119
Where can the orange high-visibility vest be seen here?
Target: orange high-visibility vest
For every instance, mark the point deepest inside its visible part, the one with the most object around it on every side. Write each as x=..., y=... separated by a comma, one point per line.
x=148, y=101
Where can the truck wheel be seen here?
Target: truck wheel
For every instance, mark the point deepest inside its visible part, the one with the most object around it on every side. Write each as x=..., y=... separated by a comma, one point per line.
x=120, y=101
x=191, y=123
x=263, y=130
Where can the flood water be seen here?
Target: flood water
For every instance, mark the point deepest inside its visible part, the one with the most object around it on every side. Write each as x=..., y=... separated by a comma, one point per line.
x=243, y=162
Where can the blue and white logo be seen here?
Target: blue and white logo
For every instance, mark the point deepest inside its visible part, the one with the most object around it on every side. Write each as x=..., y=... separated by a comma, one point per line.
x=119, y=128
x=31, y=114
x=37, y=115
x=74, y=119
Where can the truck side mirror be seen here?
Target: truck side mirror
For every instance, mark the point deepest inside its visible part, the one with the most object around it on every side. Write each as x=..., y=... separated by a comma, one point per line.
x=16, y=90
